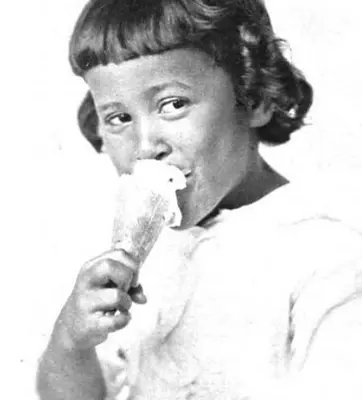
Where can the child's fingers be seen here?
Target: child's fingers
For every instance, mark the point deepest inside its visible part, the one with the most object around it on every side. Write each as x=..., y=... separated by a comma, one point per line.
x=114, y=322
x=135, y=278
x=136, y=290
x=137, y=295
x=116, y=255
x=109, y=273
x=110, y=299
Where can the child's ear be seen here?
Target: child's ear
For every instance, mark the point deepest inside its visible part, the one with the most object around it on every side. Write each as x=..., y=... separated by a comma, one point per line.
x=261, y=115
x=88, y=122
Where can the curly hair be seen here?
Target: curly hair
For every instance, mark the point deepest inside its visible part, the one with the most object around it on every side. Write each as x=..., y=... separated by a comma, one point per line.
x=236, y=34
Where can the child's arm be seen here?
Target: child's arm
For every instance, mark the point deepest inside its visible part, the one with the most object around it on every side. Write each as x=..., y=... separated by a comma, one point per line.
x=69, y=368
x=69, y=375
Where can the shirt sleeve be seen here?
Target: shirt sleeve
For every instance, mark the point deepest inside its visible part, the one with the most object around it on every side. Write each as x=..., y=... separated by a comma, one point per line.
x=325, y=360
x=333, y=365
x=332, y=368
x=333, y=281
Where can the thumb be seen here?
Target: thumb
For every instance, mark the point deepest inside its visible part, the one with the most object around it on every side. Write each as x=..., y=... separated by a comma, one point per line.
x=137, y=295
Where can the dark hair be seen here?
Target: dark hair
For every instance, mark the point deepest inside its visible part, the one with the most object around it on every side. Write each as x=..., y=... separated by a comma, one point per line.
x=237, y=35
x=88, y=122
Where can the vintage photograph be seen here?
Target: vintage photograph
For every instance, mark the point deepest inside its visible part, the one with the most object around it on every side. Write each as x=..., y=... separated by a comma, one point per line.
x=182, y=208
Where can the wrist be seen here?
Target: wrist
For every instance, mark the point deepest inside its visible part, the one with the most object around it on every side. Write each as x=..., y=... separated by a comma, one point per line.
x=63, y=349
x=61, y=339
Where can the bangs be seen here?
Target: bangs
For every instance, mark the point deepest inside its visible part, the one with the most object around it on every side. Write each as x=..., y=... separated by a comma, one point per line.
x=114, y=31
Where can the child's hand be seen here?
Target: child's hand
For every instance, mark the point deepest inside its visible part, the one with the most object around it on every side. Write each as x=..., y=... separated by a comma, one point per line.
x=99, y=303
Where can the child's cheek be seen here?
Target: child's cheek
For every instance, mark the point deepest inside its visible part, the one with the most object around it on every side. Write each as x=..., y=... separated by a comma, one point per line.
x=122, y=152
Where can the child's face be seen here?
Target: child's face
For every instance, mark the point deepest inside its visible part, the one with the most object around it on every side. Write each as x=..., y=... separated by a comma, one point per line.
x=179, y=108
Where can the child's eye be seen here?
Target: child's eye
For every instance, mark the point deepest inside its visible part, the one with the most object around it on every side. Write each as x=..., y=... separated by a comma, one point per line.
x=173, y=106
x=118, y=119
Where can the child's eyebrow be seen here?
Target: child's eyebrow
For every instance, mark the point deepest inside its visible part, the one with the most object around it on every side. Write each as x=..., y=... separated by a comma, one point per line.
x=174, y=82
x=156, y=88
x=112, y=104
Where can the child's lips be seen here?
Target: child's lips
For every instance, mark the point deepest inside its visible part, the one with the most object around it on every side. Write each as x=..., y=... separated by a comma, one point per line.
x=188, y=178
x=185, y=170
x=188, y=175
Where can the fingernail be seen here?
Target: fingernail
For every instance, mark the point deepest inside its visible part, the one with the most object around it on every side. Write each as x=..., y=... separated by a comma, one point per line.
x=142, y=298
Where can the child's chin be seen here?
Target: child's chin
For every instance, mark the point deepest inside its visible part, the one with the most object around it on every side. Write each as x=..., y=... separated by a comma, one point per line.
x=186, y=223
x=182, y=227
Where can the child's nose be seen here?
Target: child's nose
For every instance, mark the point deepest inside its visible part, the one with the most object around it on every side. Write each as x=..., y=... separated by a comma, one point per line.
x=153, y=154
x=152, y=143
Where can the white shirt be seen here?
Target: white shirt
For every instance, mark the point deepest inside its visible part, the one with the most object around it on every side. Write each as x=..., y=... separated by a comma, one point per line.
x=255, y=305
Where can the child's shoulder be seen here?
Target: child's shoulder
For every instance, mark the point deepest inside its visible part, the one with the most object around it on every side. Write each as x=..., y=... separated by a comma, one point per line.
x=286, y=237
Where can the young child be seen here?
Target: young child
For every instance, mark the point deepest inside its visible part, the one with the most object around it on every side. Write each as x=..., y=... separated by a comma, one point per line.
x=256, y=295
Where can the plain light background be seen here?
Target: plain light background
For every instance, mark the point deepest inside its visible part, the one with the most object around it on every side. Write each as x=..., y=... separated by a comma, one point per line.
x=56, y=210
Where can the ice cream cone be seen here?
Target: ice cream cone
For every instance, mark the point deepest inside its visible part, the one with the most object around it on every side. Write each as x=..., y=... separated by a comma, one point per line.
x=146, y=203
